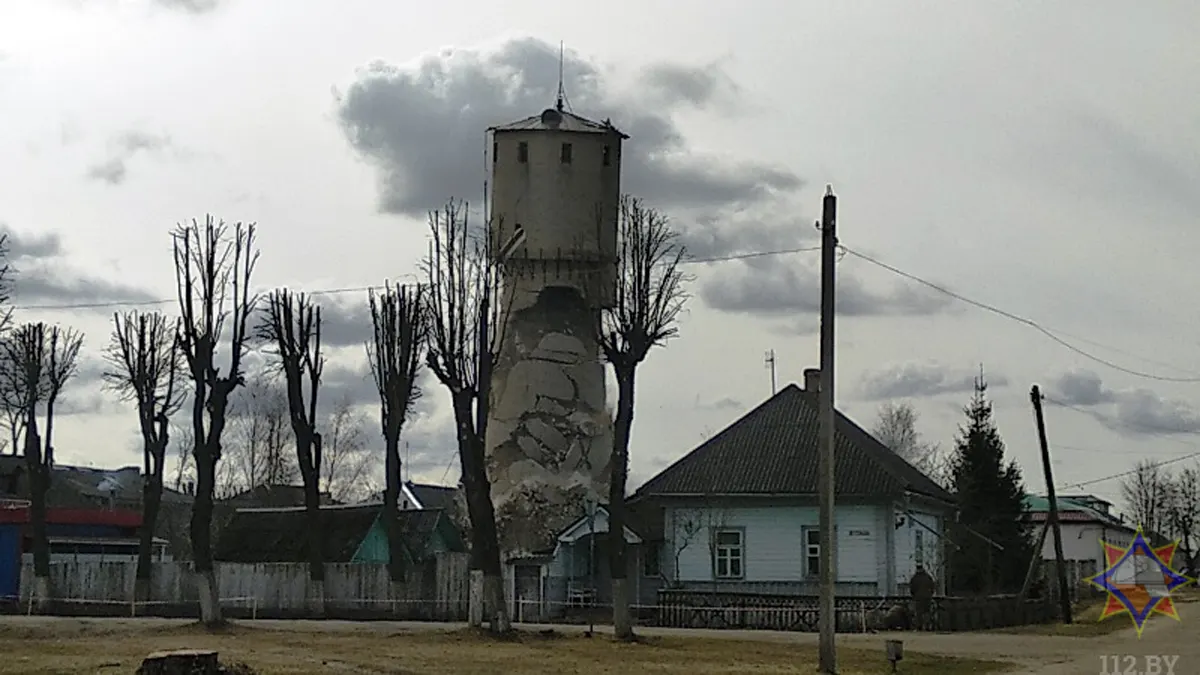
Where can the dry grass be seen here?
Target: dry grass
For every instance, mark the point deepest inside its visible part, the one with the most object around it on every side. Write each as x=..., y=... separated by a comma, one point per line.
x=1085, y=622
x=92, y=647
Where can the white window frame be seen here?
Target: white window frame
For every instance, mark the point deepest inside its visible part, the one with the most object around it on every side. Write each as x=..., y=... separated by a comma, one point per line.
x=812, y=549
x=919, y=547
x=728, y=553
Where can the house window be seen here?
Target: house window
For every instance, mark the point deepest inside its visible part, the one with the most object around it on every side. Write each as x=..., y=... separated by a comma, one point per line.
x=495, y=152
x=523, y=152
x=607, y=156
x=919, y=548
x=812, y=551
x=650, y=563
x=566, y=153
x=729, y=554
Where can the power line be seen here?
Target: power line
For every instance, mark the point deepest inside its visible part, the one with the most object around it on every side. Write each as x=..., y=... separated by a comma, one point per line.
x=115, y=304
x=1129, y=472
x=1019, y=319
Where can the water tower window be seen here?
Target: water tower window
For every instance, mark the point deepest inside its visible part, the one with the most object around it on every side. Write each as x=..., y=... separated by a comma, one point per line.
x=566, y=153
x=523, y=152
x=607, y=156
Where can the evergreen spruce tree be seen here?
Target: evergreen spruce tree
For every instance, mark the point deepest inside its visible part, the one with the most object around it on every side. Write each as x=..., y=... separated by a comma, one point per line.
x=991, y=501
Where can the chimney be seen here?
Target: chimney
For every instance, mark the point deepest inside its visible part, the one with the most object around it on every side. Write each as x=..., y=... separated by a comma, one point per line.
x=812, y=379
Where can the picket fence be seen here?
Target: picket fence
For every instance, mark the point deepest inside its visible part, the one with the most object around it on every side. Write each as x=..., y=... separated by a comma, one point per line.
x=436, y=589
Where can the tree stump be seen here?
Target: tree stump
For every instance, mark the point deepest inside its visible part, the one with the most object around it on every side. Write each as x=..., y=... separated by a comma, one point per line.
x=181, y=662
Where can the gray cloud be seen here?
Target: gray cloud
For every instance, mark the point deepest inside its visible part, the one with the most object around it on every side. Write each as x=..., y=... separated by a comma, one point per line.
x=1133, y=411
x=41, y=276
x=345, y=323
x=423, y=129
x=700, y=86
x=921, y=380
x=114, y=169
x=784, y=286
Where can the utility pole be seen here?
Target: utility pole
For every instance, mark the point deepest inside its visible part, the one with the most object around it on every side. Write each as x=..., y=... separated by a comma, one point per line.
x=825, y=484
x=770, y=360
x=1064, y=596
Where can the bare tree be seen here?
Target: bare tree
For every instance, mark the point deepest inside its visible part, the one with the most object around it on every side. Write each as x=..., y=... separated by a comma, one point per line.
x=292, y=325
x=1145, y=491
x=14, y=413
x=212, y=275
x=184, y=462
x=260, y=440
x=346, y=461
x=14, y=421
x=145, y=367
x=648, y=296
x=36, y=361
x=466, y=329
x=1181, y=511
x=400, y=322
x=896, y=428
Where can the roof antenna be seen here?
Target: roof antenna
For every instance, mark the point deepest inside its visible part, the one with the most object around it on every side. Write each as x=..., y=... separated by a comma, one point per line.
x=561, y=91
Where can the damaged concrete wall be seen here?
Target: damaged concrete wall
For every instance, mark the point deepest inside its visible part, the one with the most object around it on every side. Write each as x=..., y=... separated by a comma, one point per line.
x=550, y=432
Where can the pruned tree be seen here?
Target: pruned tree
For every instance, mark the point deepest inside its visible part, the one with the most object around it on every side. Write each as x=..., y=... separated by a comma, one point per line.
x=896, y=428
x=145, y=367
x=36, y=361
x=292, y=326
x=1145, y=492
x=347, y=464
x=259, y=449
x=400, y=328
x=648, y=296
x=14, y=414
x=213, y=267
x=466, y=328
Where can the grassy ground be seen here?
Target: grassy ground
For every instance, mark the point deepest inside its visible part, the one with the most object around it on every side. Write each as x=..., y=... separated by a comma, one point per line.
x=1086, y=621
x=88, y=647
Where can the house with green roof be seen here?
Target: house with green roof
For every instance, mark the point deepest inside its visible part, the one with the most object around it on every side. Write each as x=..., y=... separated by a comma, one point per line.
x=1086, y=521
x=739, y=512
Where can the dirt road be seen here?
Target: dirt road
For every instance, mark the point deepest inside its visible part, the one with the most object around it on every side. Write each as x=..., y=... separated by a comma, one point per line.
x=1033, y=654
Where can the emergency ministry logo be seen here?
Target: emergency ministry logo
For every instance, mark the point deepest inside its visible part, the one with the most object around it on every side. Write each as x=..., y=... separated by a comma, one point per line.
x=1139, y=580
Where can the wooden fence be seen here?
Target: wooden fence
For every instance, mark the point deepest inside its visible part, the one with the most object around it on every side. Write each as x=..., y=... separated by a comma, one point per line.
x=715, y=609
x=433, y=590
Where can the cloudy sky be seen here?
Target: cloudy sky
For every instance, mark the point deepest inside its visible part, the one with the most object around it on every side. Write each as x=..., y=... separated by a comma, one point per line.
x=1034, y=158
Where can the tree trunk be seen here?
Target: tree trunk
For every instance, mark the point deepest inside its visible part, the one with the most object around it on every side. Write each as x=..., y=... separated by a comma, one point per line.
x=151, y=502
x=617, y=559
x=201, y=535
x=475, y=598
x=39, y=480
x=391, y=506
x=316, y=562
x=485, y=547
x=181, y=662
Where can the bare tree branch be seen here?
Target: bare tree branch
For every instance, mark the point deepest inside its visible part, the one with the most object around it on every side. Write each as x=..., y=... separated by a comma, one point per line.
x=1146, y=493
x=347, y=464
x=212, y=273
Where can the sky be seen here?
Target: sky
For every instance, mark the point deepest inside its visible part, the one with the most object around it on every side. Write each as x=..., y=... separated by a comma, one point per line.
x=1033, y=159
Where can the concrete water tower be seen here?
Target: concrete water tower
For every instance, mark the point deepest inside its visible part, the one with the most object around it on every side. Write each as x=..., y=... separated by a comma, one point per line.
x=555, y=196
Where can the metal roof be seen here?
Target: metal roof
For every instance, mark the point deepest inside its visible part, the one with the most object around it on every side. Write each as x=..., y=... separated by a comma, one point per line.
x=560, y=120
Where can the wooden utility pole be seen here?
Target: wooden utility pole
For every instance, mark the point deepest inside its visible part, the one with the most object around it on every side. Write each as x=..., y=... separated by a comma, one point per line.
x=1064, y=595
x=825, y=484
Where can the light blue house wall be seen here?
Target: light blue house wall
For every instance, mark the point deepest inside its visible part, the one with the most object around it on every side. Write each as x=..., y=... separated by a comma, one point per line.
x=878, y=546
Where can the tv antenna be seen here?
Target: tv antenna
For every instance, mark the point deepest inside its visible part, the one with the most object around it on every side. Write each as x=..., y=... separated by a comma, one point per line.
x=562, y=90
x=769, y=360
